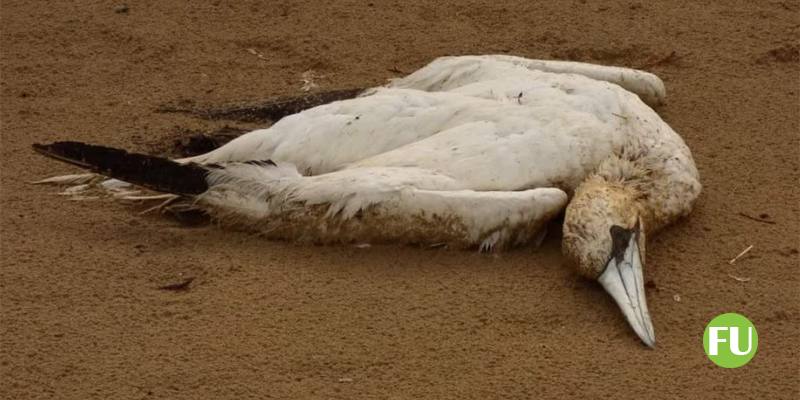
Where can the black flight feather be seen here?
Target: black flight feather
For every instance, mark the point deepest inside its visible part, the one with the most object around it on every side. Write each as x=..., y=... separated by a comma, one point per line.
x=156, y=173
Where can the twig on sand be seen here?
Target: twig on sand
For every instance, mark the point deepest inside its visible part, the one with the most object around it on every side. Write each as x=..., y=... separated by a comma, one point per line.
x=309, y=80
x=745, y=251
x=757, y=219
x=182, y=285
x=257, y=54
x=739, y=278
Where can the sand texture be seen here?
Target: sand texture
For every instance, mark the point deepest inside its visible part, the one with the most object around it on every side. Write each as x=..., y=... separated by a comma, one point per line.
x=82, y=315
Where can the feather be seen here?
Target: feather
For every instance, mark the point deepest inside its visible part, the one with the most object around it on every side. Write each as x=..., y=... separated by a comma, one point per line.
x=443, y=148
x=151, y=172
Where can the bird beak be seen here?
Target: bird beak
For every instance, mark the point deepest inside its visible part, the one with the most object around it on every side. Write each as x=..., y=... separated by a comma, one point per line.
x=623, y=280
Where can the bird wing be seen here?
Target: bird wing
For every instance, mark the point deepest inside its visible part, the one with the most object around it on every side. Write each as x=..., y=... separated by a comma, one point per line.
x=558, y=114
x=328, y=137
x=542, y=146
x=331, y=137
x=380, y=204
x=448, y=73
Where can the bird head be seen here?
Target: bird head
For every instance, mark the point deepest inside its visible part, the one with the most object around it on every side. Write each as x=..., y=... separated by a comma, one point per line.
x=604, y=238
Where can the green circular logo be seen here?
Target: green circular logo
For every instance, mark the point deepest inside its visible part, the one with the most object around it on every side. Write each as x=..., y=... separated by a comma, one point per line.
x=730, y=340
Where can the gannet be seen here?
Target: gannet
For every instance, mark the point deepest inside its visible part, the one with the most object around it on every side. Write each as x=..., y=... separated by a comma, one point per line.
x=473, y=151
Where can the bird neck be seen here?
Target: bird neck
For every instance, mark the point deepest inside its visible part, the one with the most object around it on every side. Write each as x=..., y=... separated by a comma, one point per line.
x=662, y=192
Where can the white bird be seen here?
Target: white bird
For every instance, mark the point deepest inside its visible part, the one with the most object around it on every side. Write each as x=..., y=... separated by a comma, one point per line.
x=474, y=151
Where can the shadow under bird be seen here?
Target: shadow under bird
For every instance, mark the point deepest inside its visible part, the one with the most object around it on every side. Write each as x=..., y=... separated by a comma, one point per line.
x=472, y=151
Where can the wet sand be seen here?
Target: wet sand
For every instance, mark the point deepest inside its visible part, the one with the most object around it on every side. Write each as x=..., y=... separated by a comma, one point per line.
x=82, y=315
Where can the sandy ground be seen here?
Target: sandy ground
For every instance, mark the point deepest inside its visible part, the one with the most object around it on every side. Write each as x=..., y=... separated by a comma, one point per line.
x=81, y=313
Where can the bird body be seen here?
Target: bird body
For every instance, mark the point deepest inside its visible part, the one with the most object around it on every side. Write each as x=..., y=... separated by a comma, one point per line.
x=472, y=151
x=478, y=124
x=460, y=114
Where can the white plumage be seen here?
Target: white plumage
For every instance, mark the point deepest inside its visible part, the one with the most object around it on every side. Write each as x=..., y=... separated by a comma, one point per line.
x=474, y=151
x=462, y=131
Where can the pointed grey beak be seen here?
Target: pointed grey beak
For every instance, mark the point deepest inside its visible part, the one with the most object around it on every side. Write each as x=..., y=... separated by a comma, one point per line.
x=623, y=280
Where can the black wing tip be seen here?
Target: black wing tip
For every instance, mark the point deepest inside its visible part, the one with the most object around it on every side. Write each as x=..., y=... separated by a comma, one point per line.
x=71, y=148
x=48, y=148
x=66, y=151
x=58, y=144
x=40, y=148
x=157, y=173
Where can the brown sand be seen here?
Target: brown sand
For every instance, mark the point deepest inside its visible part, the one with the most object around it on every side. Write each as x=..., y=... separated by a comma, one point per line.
x=81, y=313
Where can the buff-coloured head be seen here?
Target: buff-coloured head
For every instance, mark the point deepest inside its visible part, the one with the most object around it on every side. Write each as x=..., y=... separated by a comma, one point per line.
x=604, y=240
x=596, y=207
